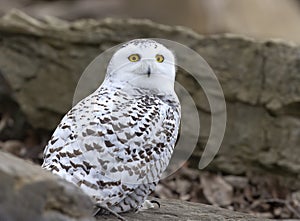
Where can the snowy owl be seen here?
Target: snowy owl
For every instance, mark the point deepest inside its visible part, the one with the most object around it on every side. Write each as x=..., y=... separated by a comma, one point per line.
x=116, y=143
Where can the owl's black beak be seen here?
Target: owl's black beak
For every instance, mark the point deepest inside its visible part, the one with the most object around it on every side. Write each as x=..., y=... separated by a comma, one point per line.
x=149, y=71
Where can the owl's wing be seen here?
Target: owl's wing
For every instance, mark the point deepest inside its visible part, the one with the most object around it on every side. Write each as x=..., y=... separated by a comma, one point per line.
x=109, y=143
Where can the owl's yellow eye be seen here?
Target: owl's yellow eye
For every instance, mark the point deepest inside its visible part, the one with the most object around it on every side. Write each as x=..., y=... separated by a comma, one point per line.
x=159, y=58
x=134, y=58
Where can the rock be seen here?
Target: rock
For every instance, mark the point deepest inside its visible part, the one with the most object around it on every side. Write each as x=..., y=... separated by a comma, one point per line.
x=30, y=193
x=13, y=122
x=209, y=17
x=260, y=82
x=179, y=210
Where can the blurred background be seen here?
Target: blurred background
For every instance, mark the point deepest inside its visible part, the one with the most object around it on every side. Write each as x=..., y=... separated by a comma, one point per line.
x=261, y=19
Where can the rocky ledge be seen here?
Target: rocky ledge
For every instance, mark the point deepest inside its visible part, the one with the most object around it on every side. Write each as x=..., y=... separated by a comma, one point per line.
x=29, y=193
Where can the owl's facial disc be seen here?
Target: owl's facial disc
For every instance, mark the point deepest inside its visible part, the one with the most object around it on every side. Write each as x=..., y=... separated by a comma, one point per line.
x=143, y=63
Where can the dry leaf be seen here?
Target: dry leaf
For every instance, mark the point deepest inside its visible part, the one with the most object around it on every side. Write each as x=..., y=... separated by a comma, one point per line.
x=217, y=191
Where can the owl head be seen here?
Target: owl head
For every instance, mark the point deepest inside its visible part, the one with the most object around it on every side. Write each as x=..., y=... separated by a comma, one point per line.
x=143, y=63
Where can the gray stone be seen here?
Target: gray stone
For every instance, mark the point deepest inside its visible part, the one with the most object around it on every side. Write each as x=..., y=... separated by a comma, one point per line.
x=12, y=120
x=186, y=211
x=30, y=193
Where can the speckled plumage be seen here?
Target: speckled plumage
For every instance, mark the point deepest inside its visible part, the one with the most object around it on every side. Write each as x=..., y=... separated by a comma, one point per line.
x=116, y=143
